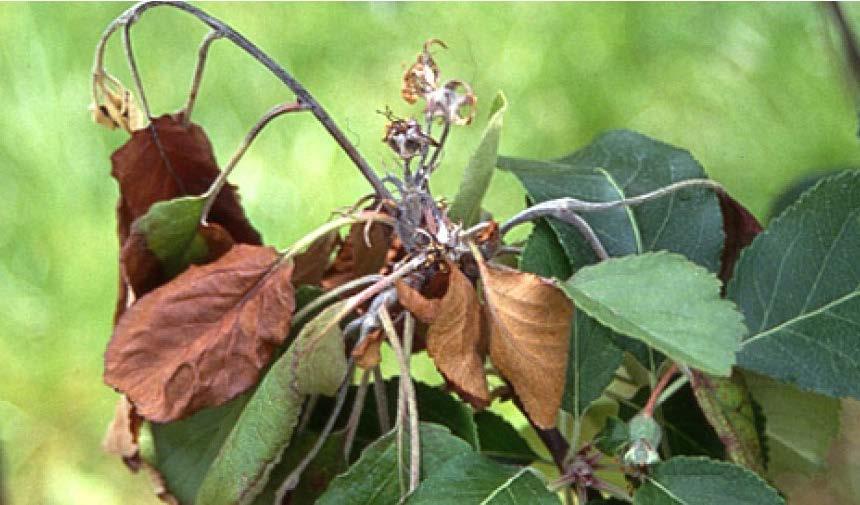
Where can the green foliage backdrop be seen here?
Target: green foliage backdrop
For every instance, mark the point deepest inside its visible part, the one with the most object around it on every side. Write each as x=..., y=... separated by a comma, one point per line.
x=754, y=91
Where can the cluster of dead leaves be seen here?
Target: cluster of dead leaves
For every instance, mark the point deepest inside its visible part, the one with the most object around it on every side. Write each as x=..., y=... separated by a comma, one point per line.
x=523, y=324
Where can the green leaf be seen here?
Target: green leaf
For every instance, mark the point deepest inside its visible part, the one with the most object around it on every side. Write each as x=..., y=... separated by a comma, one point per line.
x=800, y=426
x=594, y=357
x=313, y=364
x=373, y=479
x=700, y=481
x=315, y=478
x=182, y=451
x=621, y=164
x=613, y=437
x=728, y=406
x=171, y=231
x=798, y=285
x=665, y=301
x=474, y=479
x=500, y=441
x=466, y=206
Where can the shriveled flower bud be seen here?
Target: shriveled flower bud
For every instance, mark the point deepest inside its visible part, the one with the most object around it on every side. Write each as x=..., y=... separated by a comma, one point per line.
x=406, y=139
x=423, y=76
x=454, y=102
x=119, y=108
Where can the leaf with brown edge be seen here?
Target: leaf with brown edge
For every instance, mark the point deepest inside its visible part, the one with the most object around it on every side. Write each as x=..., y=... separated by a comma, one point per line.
x=144, y=179
x=455, y=340
x=529, y=320
x=202, y=338
x=310, y=266
x=740, y=227
x=358, y=257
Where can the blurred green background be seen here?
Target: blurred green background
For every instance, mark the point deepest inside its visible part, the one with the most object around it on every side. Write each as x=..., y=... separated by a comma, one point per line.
x=755, y=91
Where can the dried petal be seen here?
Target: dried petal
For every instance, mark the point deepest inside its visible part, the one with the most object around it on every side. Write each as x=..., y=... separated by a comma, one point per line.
x=423, y=76
x=202, y=339
x=119, y=108
x=454, y=102
x=529, y=321
x=405, y=138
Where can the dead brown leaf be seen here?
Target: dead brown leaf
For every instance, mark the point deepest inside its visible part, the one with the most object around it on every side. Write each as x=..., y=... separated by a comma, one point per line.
x=367, y=352
x=358, y=257
x=312, y=264
x=424, y=309
x=202, y=338
x=144, y=179
x=122, y=433
x=455, y=340
x=529, y=320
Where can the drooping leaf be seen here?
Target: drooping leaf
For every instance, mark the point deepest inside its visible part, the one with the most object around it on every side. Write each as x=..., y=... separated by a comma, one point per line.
x=313, y=262
x=726, y=403
x=800, y=425
x=620, y=164
x=314, y=364
x=700, y=481
x=456, y=342
x=594, y=356
x=665, y=301
x=202, y=338
x=359, y=255
x=529, y=320
x=740, y=227
x=798, y=285
x=144, y=178
x=472, y=478
x=181, y=163
x=166, y=240
x=500, y=441
x=466, y=207
x=375, y=478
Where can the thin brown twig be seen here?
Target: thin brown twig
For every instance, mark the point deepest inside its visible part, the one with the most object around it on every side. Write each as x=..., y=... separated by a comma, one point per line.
x=279, y=110
x=133, y=14
x=202, y=54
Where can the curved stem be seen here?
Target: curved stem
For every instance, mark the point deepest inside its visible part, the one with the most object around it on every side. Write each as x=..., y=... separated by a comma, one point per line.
x=213, y=191
x=335, y=293
x=198, y=74
x=648, y=409
x=133, y=14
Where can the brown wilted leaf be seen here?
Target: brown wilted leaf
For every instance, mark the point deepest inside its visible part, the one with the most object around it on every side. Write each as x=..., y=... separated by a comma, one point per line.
x=144, y=178
x=310, y=266
x=202, y=338
x=424, y=309
x=355, y=258
x=141, y=269
x=456, y=342
x=121, y=436
x=529, y=320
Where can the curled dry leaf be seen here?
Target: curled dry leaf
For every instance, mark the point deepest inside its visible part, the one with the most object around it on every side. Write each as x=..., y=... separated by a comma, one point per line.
x=367, y=352
x=310, y=266
x=358, y=257
x=119, y=109
x=529, y=320
x=423, y=76
x=202, y=338
x=455, y=340
x=144, y=179
x=121, y=440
